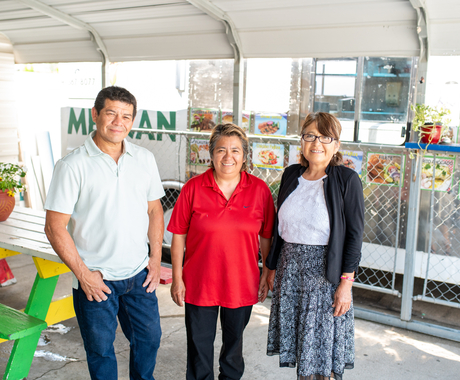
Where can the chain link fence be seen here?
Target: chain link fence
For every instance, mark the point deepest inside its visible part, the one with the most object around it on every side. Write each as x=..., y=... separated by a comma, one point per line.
x=385, y=186
x=439, y=247
x=385, y=172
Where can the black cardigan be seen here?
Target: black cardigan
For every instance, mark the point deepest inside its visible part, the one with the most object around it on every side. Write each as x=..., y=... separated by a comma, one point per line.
x=343, y=193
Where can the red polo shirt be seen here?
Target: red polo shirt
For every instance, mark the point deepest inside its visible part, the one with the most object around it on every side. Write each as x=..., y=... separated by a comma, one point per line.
x=222, y=245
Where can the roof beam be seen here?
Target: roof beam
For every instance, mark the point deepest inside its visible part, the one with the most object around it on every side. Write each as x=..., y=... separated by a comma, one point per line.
x=230, y=29
x=233, y=38
x=423, y=30
x=77, y=24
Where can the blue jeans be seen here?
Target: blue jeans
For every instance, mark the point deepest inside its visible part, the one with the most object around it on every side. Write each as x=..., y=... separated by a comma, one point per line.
x=139, y=319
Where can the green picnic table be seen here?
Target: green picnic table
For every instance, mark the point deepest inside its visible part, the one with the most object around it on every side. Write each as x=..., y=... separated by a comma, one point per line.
x=23, y=233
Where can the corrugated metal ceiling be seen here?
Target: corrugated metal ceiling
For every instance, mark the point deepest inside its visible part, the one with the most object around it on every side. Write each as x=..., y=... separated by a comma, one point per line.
x=175, y=29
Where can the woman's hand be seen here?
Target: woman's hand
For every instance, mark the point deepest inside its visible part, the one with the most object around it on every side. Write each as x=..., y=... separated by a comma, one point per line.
x=271, y=279
x=178, y=292
x=342, y=298
x=266, y=283
x=263, y=287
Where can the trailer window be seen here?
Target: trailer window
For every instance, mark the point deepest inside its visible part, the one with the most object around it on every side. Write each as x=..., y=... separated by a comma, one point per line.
x=335, y=86
x=385, y=99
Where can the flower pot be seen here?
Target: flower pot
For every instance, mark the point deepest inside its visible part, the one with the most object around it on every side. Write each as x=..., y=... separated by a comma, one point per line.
x=430, y=134
x=6, y=205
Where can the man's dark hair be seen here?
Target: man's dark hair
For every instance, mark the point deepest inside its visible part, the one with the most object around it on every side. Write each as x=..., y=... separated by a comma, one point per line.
x=115, y=93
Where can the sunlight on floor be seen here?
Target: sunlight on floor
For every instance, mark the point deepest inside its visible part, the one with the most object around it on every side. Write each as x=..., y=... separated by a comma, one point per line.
x=429, y=348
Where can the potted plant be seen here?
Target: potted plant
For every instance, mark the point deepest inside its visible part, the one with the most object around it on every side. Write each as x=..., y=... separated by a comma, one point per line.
x=430, y=122
x=10, y=183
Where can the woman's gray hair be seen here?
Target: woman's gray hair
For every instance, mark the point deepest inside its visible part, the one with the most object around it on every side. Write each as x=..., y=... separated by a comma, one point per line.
x=226, y=130
x=328, y=125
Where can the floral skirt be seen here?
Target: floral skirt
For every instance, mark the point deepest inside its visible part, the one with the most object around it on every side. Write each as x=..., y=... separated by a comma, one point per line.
x=302, y=328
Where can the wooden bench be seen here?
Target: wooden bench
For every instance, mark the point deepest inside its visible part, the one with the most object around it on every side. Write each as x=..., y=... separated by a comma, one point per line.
x=15, y=324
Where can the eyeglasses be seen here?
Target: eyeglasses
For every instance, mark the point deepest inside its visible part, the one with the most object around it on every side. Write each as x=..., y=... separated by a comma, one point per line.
x=322, y=139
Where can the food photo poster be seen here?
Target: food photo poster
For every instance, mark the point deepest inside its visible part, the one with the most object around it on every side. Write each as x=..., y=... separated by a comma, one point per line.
x=384, y=169
x=269, y=156
x=353, y=159
x=440, y=171
x=270, y=124
x=204, y=119
x=227, y=117
x=199, y=152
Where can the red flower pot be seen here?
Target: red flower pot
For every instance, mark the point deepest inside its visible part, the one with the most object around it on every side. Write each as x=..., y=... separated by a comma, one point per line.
x=430, y=134
x=6, y=205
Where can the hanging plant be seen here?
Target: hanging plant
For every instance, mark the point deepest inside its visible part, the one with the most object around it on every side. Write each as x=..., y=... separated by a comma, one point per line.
x=430, y=122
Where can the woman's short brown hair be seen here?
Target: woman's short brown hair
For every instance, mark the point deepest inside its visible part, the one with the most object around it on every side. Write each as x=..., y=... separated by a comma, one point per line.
x=328, y=125
x=225, y=130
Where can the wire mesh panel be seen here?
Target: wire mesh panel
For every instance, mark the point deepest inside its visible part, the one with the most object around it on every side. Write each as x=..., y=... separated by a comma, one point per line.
x=385, y=175
x=384, y=178
x=439, y=233
x=266, y=160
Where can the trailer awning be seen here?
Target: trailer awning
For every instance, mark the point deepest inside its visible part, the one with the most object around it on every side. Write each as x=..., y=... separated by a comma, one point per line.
x=179, y=29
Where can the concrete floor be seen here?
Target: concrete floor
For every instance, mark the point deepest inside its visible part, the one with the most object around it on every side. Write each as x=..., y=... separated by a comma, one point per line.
x=382, y=352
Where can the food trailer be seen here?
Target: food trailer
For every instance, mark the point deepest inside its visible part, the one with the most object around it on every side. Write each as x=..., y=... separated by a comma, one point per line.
x=266, y=65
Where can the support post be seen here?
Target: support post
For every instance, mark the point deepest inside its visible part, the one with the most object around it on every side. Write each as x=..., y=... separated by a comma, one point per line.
x=358, y=98
x=238, y=86
x=411, y=238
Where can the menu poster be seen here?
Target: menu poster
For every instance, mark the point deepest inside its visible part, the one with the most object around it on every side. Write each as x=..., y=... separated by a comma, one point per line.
x=204, y=119
x=227, y=117
x=199, y=152
x=353, y=159
x=384, y=169
x=270, y=124
x=270, y=156
x=441, y=173
x=294, y=154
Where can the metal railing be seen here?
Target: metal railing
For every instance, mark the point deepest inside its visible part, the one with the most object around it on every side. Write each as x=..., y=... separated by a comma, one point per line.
x=387, y=174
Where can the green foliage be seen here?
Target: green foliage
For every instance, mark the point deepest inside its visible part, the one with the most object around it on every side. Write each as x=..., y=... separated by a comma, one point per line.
x=426, y=114
x=10, y=177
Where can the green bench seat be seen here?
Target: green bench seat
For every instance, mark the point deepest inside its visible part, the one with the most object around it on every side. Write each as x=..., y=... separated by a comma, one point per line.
x=15, y=324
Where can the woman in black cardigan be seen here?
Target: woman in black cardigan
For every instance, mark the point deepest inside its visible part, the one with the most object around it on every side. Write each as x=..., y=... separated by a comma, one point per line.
x=316, y=251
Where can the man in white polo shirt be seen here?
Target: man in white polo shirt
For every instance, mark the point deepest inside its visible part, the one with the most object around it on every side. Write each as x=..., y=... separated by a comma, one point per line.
x=103, y=204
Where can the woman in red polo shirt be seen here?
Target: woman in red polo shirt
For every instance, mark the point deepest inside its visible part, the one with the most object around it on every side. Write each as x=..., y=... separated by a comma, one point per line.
x=221, y=218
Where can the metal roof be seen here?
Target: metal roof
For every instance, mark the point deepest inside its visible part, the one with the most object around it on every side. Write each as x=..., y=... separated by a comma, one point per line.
x=179, y=29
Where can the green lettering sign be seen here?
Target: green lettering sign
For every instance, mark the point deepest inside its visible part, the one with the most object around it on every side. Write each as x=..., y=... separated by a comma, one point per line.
x=145, y=120
x=73, y=122
x=162, y=122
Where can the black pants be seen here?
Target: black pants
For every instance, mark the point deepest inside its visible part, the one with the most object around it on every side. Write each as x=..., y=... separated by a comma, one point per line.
x=201, y=322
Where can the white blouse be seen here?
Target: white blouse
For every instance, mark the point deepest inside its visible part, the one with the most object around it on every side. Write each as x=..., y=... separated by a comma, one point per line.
x=303, y=217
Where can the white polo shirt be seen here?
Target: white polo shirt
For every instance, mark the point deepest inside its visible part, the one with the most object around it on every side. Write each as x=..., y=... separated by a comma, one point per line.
x=108, y=205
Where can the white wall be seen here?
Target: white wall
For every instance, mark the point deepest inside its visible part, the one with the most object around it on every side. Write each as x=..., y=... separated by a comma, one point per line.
x=8, y=128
